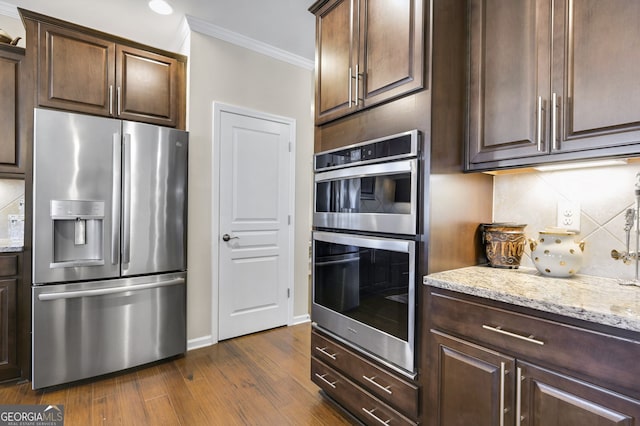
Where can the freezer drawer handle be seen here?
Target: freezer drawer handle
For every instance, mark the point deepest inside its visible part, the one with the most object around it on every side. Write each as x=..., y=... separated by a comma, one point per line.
x=109, y=290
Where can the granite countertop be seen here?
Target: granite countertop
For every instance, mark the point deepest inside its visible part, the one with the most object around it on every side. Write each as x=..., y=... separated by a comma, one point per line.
x=11, y=249
x=595, y=299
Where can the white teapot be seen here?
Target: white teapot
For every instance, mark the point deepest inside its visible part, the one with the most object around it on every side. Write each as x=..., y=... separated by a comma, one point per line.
x=555, y=253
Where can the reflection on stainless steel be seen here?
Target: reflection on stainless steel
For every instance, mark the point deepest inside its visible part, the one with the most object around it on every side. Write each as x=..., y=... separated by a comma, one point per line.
x=364, y=282
x=157, y=188
x=339, y=302
x=89, y=329
x=109, y=251
x=377, y=197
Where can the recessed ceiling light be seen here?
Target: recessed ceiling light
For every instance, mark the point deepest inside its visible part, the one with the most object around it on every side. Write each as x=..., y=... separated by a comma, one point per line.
x=161, y=7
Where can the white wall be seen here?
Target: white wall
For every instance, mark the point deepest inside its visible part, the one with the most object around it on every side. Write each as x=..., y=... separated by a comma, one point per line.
x=223, y=72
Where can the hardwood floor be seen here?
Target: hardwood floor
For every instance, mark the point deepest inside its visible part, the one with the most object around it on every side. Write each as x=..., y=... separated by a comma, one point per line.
x=259, y=379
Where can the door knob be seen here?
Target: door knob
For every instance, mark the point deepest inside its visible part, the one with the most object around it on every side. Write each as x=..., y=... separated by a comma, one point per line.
x=227, y=237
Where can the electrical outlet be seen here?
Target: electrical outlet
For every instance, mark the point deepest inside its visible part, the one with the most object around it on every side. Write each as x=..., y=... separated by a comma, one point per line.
x=569, y=215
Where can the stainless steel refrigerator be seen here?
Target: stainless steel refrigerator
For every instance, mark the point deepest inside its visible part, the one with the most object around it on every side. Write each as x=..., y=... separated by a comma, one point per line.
x=109, y=245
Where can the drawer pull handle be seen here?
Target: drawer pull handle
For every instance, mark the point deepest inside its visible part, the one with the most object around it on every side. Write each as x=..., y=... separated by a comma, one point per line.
x=322, y=377
x=370, y=412
x=519, y=380
x=499, y=330
x=372, y=380
x=324, y=351
x=502, y=374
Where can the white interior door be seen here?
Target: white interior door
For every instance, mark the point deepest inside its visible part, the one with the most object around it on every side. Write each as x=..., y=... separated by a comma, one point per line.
x=253, y=233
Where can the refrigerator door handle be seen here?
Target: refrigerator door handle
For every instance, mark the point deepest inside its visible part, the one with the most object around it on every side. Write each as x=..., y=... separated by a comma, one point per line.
x=109, y=290
x=115, y=200
x=126, y=201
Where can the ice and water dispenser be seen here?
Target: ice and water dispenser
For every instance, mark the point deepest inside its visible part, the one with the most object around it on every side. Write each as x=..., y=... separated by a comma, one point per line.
x=78, y=232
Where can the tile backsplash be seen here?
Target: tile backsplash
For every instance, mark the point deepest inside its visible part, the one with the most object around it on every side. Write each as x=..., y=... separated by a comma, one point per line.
x=11, y=206
x=603, y=194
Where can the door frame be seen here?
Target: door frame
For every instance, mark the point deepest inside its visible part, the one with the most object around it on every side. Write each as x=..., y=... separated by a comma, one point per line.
x=218, y=109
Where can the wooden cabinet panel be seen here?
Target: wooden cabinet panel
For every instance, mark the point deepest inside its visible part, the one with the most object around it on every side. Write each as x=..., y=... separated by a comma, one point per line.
x=595, y=76
x=549, y=398
x=552, y=80
x=389, y=387
x=503, y=105
x=333, y=67
x=12, y=151
x=475, y=385
x=367, y=52
x=361, y=404
x=148, y=83
x=10, y=270
x=578, y=377
x=561, y=344
x=83, y=70
x=391, y=48
x=9, y=265
x=76, y=71
x=8, y=331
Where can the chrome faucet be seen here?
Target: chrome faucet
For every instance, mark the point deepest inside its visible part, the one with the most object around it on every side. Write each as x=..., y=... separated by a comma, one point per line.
x=631, y=216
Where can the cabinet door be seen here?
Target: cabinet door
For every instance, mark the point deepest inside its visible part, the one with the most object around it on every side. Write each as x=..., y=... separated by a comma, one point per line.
x=8, y=332
x=595, y=74
x=75, y=71
x=509, y=79
x=390, y=46
x=552, y=399
x=334, y=60
x=475, y=385
x=147, y=86
x=12, y=152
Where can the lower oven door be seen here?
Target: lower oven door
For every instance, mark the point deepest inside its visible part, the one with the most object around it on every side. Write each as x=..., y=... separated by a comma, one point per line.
x=364, y=292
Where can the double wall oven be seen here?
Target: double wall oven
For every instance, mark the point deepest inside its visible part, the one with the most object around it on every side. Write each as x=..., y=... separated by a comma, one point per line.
x=364, y=246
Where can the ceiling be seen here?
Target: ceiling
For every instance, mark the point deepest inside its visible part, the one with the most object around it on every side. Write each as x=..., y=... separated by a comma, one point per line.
x=284, y=24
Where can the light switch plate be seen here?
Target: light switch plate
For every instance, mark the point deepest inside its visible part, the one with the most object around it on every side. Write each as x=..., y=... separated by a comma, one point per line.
x=569, y=215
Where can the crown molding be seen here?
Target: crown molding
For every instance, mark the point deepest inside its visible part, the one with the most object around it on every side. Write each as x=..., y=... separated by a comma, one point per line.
x=8, y=9
x=218, y=32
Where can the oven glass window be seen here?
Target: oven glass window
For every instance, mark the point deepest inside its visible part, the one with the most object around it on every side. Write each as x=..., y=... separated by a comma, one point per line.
x=369, y=285
x=371, y=194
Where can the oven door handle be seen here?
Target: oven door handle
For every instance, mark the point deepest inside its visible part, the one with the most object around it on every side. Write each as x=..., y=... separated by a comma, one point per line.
x=392, y=167
x=337, y=262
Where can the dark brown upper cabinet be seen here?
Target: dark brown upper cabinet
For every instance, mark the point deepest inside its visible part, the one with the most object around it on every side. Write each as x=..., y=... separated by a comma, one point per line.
x=367, y=52
x=12, y=150
x=94, y=73
x=552, y=81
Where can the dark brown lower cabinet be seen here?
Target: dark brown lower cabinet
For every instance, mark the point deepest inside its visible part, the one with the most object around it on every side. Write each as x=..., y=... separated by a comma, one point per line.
x=10, y=267
x=552, y=399
x=488, y=366
x=478, y=386
x=475, y=384
x=372, y=393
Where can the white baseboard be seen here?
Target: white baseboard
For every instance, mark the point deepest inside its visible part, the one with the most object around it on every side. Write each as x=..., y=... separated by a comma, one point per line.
x=204, y=341
x=301, y=319
x=199, y=342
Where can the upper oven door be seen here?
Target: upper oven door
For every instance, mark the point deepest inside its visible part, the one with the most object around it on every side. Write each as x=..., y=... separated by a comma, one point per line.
x=378, y=197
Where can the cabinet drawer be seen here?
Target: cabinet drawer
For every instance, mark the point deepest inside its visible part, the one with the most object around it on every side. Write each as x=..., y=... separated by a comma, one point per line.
x=609, y=359
x=360, y=403
x=8, y=265
x=390, y=388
